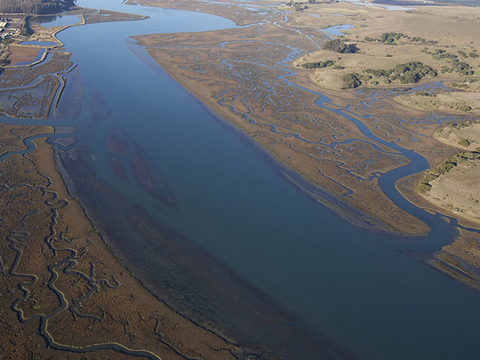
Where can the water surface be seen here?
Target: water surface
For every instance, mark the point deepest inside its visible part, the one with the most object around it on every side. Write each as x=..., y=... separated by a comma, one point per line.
x=39, y=43
x=56, y=20
x=338, y=30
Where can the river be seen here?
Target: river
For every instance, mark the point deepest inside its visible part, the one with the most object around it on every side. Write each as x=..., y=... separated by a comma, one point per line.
x=351, y=285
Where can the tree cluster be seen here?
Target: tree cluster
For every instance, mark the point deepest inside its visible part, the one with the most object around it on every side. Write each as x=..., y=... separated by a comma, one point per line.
x=389, y=38
x=407, y=73
x=440, y=54
x=318, y=65
x=458, y=66
x=412, y=72
x=392, y=38
x=340, y=46
x=444, y=167
x=351, y=81
x=34, y=6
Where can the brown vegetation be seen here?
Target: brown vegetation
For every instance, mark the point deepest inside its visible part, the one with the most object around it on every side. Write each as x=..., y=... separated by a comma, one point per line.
x=463, y=136
x=58, y=274
x=232, y=80
x=22, y=54
x=461, y=259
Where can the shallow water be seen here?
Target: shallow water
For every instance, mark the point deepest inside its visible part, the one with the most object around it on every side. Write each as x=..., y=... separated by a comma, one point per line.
x=338, y=30
x=380, y=4
x=58, y=20
x=353, y=285
x=39, y=43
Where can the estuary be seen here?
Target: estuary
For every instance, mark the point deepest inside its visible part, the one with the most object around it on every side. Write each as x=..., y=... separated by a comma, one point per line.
x=240, y=236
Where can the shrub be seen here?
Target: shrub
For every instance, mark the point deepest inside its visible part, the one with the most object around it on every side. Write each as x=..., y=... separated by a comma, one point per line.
x=340, y=46
x=351, y=81
x=444, y=167
x=464, y=108
x=423, y=188
x=318, y=65
x=464, y=142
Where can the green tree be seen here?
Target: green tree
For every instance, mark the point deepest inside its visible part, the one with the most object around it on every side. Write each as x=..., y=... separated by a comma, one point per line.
x=340, y=46
x=34, y=6
x=351, y=81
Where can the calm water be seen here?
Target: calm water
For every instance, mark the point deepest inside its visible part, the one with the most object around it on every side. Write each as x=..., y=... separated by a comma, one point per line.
x=39, y=43
x=58, y=20
x=434, y=2
x=383, y=4
x=352, y=285
x=338, y=30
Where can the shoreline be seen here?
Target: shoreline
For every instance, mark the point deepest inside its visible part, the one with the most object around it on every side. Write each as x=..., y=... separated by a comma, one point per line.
x=217, y=281
x=328, y=199
x=184, y=74
x=114, y=249
x=45, y=158
x=373, y=222
x=110, y=295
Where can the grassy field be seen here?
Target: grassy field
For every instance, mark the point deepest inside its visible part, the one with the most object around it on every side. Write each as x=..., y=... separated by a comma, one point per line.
x=442, y=37
x=458, y=102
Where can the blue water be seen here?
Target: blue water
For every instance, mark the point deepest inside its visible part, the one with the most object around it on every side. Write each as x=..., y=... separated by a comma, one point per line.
x=39, y=43
x=399, y=3
x=57, y=20
x=385, y=6
x=338, y=30
x=353, y=285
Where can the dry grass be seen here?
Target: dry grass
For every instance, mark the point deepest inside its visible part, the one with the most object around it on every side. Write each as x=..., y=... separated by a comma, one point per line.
x=458, y=191
x=450, y=102
x=454, y=28
x=453, y=135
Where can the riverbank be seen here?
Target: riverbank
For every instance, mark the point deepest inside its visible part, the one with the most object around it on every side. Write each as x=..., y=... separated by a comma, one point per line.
x=74, y=280
x=107, y=311
x=309, y=140
x=259, y=109
x=320, y=144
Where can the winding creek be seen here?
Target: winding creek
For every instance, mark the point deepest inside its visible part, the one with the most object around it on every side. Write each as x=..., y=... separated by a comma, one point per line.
x=354, y=286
